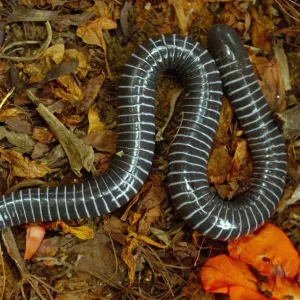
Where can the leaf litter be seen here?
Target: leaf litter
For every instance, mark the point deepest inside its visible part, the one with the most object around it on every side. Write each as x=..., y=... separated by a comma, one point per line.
x=58, y=123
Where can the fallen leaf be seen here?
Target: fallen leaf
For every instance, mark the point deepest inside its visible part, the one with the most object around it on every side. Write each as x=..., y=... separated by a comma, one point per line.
x=91, y=33
x=26, y=183
x=82, y=232
x=221, y=272
x=22, y=166
x=271, y=82
x=43, y=135
x=34, y=236
x=113, y=224
x=151, y=216
x=23, y=142
x=67, y=89
x=90, y=91
x=261, y=250
x=240, y=158
x=19, y=126
x=9, y=113
x=83, y=66
x=79, y=154
x=225, y=122
x=219, y=165
x=259, y=34
x=104, y=141
x=71, y=121
x=94, y=121
x=54, y=53
x=128, y=258
x=145, y=239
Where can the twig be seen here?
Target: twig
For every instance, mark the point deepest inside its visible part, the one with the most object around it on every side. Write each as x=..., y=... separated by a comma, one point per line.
x=21, y=43
x=7, y=96
x=42, y=49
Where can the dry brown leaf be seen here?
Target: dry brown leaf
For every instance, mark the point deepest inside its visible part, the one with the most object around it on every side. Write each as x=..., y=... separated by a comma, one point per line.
x=71, y=121
x=240, y=158
x=54, y=53
x=43, y=135
x=260, y=30
x=128, y=258
x=22, y=166
x=79, y=154
x=90, y=91
x=219, y=165
x=113, y=224
x=82, y=232
x=271, y=84
x=105, y=140
x=23, y=142
x=151, y=216
x=223, y=135
x=91, y=33
x=94, y=121
x=145, y=239
x=9, y=113
x=67, y=89
x=83, y=62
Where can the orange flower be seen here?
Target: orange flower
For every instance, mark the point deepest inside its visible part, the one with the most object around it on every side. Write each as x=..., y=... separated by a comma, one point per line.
x=281, y=288
x=239, y=292
x=269, y=250
x=34, y=236
x=222, y=272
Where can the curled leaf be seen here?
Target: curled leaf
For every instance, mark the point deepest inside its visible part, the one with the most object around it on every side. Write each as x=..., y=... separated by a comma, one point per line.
x=22, y=166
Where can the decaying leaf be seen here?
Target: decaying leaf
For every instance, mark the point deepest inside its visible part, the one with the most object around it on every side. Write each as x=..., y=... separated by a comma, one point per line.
x=219, y=165
x=67, y=89
x=82, y=232
x=128, y=257
x=94, y=121
x=22, y=166
x=23, y=142
x=9, y=113
x=104, y=141
x=79, y=154
x=43, y=135
x=81, y=59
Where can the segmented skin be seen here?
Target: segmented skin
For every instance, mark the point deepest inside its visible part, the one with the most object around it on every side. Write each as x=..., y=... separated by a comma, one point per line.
x=201, y=208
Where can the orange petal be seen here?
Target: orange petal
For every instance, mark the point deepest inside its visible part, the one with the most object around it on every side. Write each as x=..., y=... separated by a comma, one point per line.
x=239, y=292
x=221, y=272
x=281, y=288
x=34, y=237
x=269, y=250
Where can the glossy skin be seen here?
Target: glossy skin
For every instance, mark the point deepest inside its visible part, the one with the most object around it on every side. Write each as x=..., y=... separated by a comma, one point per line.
x=188, y=185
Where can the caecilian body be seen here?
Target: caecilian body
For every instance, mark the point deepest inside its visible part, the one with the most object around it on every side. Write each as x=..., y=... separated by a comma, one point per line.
x=204, y=76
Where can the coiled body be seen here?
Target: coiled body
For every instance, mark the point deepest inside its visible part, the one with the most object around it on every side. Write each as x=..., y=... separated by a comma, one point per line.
x=188, y=185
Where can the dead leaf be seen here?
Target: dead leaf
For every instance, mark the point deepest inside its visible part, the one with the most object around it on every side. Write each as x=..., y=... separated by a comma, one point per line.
x=82, y=232
x=54, y=53
x=82, y=62
x=22, y=166
x=219, y=165
x=104, y=141
x=271, y=84
x=43, y=135
x=67, y=89
x=23, y=142
x=113, y=224
x=19, y=126
x=223, y=134
x=71, y=121
x=145, y=239
x=94, y=121
x=9, y=113
x=79, y=154
x=128, y=258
